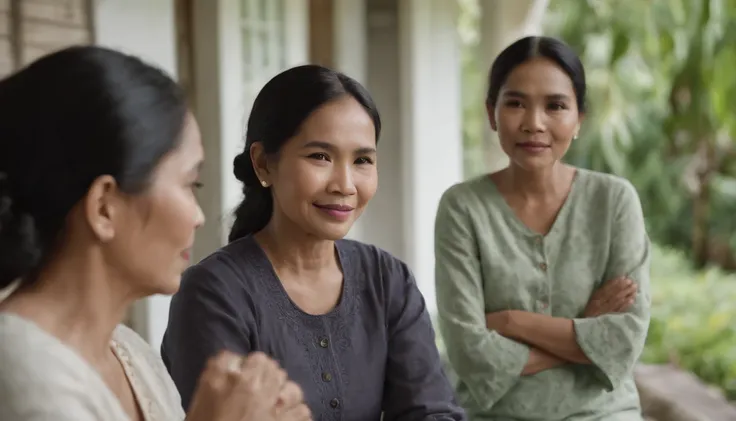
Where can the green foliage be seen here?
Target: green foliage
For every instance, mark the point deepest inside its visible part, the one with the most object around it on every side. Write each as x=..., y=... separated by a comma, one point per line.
x=473, y=88
x=663, y=111
x=692, y=320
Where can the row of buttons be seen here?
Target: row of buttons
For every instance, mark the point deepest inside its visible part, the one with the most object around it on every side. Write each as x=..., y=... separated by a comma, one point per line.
x=543, y=266
x=327, y=377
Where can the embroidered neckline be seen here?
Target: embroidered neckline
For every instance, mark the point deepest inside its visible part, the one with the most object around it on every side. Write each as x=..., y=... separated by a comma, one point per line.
x=148, y=406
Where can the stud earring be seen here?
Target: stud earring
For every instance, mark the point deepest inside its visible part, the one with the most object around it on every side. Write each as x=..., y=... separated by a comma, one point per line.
x=575, y=137
x=264, y=183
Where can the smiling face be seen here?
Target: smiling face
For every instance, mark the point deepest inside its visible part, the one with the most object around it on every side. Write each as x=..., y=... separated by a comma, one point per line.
x=323, y=177
x=536, y=115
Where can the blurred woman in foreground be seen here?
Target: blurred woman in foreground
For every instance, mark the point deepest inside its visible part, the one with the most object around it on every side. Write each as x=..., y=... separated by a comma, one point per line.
x=99, y=161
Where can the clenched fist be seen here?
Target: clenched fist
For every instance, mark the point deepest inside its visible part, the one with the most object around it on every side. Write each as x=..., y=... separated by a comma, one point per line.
x=252, y=388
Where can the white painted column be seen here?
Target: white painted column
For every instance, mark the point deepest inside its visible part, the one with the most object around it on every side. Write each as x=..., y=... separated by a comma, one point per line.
x=431, y=153
x=146, y=29
x=503, y=22
x=349, y=20
x=220, y=110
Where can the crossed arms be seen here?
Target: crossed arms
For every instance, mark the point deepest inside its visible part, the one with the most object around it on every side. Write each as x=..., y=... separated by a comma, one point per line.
x=490, y=352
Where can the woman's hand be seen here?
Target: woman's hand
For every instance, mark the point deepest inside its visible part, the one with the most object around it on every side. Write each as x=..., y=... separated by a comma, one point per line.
x=499, y=321
x=252, y=388
x=290, y=405
x=615, y=296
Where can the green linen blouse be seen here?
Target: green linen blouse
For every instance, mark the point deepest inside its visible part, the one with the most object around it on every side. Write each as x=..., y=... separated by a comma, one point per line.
x=487, y=260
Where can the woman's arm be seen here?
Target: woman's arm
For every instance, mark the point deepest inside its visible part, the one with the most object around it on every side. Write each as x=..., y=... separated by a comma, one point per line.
x=416, y=387
x=612, y=342
x=554, y=335
x=540, y=361
x=485, y=361
x=204, y=319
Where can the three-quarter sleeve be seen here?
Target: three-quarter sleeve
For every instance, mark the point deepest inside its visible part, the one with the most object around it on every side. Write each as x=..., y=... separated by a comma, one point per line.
x=486, y=362
x=416, y=388
x=203, y=320
x=614, y=342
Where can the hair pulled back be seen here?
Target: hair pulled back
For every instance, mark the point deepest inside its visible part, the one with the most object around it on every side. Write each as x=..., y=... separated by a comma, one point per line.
x=278, y=112
x=67, y=119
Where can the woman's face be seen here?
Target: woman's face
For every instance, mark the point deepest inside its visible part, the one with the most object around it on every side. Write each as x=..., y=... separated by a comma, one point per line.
x=155, y=230
x=323, y=177
x=536, y=115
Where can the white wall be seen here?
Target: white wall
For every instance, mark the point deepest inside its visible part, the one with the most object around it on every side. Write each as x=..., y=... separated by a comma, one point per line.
x=432, y=151
x=414, y=74
x=349, y=21
x=382, y=222
x=144, y=28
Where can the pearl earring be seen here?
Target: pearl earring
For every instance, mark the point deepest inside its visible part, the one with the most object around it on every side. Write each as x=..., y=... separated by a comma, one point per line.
x=264, y=183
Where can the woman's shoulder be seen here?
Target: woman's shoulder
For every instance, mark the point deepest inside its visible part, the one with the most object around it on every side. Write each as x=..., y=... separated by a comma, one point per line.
x=40, y=376
x=236, y=260
x=472, y=191
x=25, y=349
x=600, y=182
x=363, y=256
x=604, y=191
x=381, y=274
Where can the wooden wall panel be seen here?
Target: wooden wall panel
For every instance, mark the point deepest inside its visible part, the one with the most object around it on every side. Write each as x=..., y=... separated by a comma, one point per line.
x=321, y=32
x=32, y=28
x=50, y=25
x=6, y=48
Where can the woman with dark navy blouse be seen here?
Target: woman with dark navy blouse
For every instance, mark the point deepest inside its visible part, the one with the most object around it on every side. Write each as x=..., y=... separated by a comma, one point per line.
x=345, y=319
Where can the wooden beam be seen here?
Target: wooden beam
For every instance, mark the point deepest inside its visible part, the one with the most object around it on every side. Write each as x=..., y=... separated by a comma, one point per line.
x=321, y=32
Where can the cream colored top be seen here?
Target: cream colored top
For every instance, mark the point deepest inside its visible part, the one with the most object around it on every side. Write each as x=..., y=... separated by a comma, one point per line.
x=41, y=379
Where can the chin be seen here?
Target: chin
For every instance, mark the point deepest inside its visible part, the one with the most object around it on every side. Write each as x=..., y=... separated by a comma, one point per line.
x=332, y=232
x=168, y=286
x=533, y=163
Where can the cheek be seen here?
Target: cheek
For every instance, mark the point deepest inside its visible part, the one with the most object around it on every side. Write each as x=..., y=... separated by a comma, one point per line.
x=508, y=120
x=299, y=183
x=563, y=129
x=172, y=221
x=366, y=183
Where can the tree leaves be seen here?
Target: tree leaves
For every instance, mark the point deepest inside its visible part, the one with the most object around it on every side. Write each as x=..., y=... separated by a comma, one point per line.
x=663, y=99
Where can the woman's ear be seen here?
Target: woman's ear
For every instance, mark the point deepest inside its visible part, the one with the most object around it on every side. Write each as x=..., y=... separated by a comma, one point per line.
x=491, y=110
x=101, y=207
x=581, y=118
x=260, y=163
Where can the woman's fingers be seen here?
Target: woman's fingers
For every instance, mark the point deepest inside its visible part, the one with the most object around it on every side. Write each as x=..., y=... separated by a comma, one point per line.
x=291, y=395
x=296, y=413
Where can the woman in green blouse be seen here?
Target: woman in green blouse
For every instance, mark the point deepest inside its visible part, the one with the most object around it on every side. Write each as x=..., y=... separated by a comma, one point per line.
x=542, y=269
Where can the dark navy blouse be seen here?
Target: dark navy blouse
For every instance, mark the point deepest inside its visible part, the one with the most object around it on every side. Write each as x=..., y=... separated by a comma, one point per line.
x=375, y=352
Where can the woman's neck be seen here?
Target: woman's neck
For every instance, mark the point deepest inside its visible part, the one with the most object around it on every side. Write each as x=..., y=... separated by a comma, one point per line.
x=291, y=249
x=539, y=183
x=77, y=301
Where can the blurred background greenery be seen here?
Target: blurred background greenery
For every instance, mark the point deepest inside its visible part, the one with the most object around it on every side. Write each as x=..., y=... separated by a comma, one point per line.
x=662, y=113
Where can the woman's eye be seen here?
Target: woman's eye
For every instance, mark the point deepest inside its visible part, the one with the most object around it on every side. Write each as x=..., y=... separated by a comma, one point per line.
x=319, y=156
x=364, y=160
x=513, y=103
x=557, y=106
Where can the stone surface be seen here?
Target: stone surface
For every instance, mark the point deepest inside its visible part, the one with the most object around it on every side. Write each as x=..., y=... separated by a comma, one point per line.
x=670, y=394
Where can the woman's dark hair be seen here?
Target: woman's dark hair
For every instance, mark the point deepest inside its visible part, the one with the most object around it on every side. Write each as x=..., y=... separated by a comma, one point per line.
x=533, y=47
x=279, y=110
x=65, y=120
